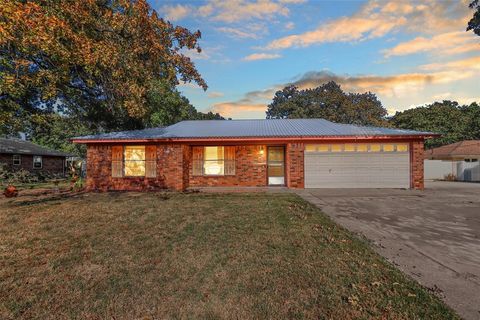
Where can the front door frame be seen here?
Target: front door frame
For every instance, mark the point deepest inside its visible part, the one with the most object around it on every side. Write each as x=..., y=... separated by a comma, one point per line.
x=284, y=166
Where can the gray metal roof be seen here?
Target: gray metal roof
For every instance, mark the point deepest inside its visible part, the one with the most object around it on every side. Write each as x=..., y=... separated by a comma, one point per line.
x=269, y=128
x=150, y=133
x=18, y=146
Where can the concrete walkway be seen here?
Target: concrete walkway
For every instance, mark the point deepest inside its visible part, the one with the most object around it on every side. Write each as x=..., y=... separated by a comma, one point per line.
x=432, y=235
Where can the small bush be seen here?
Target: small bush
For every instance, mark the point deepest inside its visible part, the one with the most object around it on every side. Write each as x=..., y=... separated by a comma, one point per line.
x=450, y=177
x=24, y=176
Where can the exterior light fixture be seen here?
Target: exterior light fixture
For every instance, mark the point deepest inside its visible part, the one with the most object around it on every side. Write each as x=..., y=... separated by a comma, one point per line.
x=261, y=150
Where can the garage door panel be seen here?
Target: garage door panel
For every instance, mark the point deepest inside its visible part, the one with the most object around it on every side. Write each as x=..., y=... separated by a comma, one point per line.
x=357, y=170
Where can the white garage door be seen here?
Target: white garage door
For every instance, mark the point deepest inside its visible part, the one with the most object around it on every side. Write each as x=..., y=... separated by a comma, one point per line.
x=357, y=166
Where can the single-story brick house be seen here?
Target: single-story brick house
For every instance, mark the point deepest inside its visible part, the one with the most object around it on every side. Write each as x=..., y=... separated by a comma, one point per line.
x=296, y=153
x=20, y=154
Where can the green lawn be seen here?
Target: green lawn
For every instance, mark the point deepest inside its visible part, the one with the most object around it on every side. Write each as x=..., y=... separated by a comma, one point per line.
x=209, y=256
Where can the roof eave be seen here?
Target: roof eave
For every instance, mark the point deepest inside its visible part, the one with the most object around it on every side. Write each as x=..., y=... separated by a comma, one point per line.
x=252, y=139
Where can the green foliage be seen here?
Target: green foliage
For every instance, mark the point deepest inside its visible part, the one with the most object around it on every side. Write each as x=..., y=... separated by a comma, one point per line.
x=166, y=106
x=330, y=102
x=54, y=131
x=93, y=60
x=23, y=176
x=455, y=122
x=78, y=185
x=474, y=23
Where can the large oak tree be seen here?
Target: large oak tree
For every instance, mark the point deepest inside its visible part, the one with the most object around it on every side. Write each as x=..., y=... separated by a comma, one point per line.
x=100, y=61
x=330, y=102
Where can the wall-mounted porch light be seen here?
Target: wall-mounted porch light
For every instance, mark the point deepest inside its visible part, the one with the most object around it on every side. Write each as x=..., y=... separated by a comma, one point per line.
x=261, y=151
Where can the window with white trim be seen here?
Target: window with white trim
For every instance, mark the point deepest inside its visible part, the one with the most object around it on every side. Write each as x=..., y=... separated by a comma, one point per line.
x=37, y=162
x=16, y=159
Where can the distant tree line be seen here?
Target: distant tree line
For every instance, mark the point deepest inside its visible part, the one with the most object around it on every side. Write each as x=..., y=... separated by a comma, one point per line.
x=454, y=121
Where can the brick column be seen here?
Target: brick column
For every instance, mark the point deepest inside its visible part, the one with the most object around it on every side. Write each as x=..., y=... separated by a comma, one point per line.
x=99, y=167
x=416, y=165
x=172, y=165
x=295, y=165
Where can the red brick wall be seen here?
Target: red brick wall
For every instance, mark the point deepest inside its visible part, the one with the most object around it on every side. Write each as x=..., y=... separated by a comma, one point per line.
x=295, y=165
x=250, y=170
x=170, y=164
x=416, y=163
x=174, y=168
x=51, y=165
x=187, y=158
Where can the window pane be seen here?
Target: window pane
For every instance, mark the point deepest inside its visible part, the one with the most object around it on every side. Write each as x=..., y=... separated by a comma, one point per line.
x=213, y=167
x=135, y=168
x=323, y=147
x=375, y=147
x=388, y=147
x=337, y=148
x=16, y=159
x=349, y=148
x=37, y=161
x=362, y=148
x=276, y=171
x=275, y=154
x=134, y=153
x=213, y=153
x=402, y=147
x=135, y=161
x=213, y=163
x=310, y=148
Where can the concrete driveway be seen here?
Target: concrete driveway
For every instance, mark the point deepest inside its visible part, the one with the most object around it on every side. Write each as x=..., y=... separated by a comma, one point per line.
x=432, y=235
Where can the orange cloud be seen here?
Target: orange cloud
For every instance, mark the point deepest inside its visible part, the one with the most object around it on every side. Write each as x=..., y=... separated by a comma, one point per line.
x=340, y=30
x=461, y=66
x=239, y=109
x=261, y=56
x=445, y=43
x=178, y=12
x=247, y=31
x=215, y=94
x=237, y=33
x=238, y=10
x=376, y=19
x=390, y=86
x=231, y=11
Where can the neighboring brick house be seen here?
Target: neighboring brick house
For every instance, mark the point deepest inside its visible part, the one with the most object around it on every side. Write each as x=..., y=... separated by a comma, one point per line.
x=296, y=153
x=20, y=154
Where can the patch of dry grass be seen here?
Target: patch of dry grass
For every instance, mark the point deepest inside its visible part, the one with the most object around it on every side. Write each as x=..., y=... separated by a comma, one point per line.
x=212, y=256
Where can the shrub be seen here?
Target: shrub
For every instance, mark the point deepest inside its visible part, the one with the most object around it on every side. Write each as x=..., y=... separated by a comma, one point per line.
x=23, y=176
x=450, y=177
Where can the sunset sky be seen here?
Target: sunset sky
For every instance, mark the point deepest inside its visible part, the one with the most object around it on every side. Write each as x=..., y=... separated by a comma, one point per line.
x=407, y=52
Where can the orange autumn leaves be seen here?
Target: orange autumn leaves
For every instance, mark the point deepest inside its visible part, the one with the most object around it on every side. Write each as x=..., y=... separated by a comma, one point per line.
x=114, y=50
